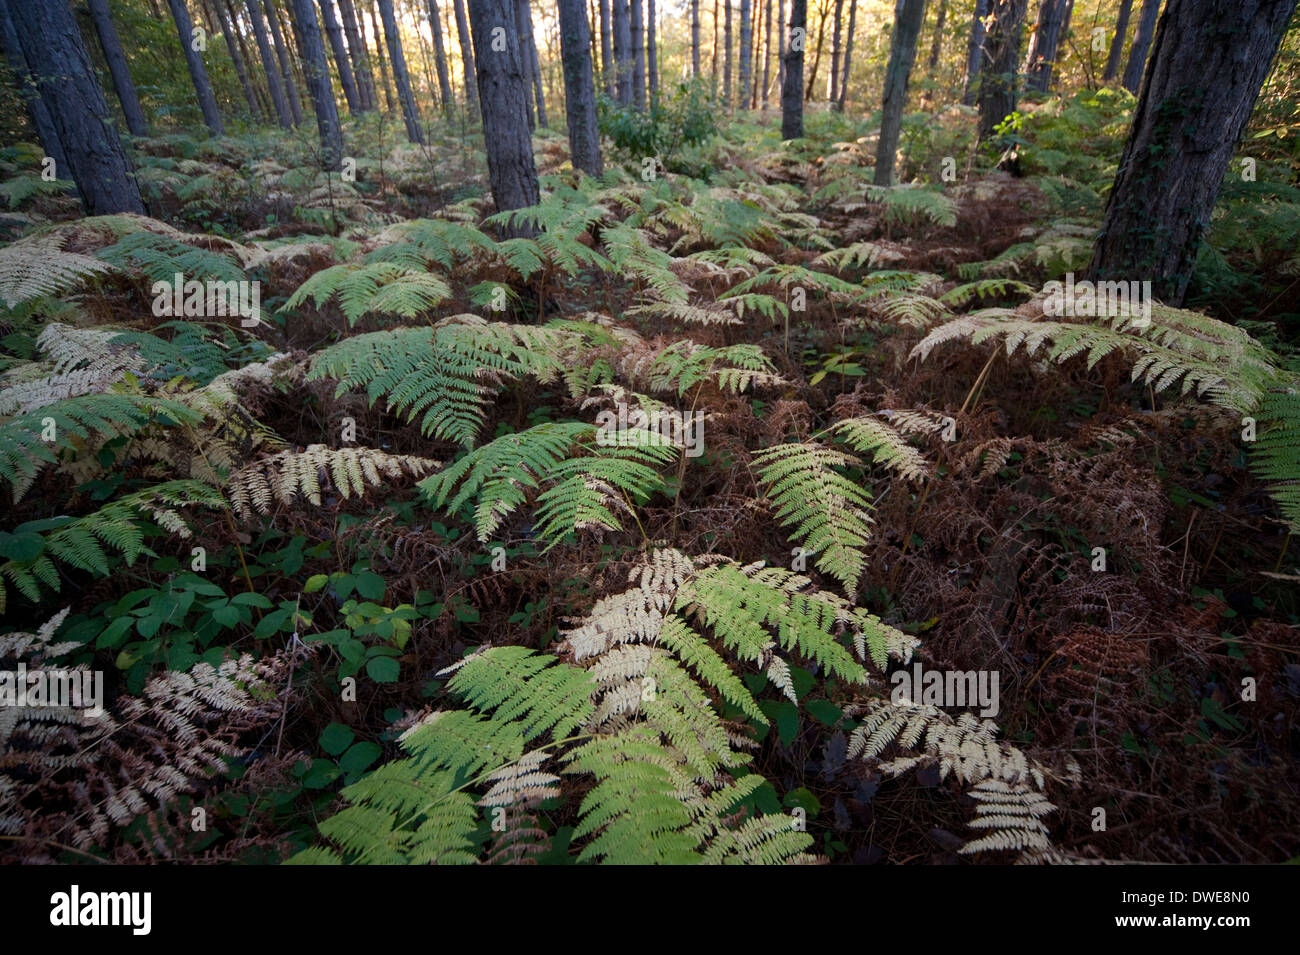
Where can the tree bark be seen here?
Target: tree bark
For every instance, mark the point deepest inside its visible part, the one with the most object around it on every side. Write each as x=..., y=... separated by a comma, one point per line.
x=579, y=87
x=726, y=55
x=274, y=81
x=695, y=38
x=122, y=82
x=198, y=73
x=360, y=55
x=848, y=54
x=286, y=64
x=503, y=96
x=401, y=78
x=1117, y=42
x=792, y=86
x=319, y=88
x=466, y=54
x=652, y=49
x=534, y=63
x=234, y=13
x=608, y=70
x=79, y=125
x=440, y=56
x=834, y=95
x=1053, y=16
x=335, y=34
x=780, y=44
x=42, y=122
x=1137, y=57
x=1210, y=60
x=767, y=50
x=908, y=17
x=389, y=100
x=622, y=52
x=975, y=51
x=637, y=28
x=1000, y=74
x=817, y=57
x=745, y=63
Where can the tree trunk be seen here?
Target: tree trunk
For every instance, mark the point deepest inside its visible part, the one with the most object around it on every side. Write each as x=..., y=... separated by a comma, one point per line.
x=652, y=49
x=534, y=62
x=695, y=38
x=360, y=55
x=1000, y=74
x=975, y=51
x=848, y=54
x=503, y=95
x=792, y=87
x=1053, y=15
x=198, y=73
x=286, y=65
x=42, y=121
x=834, y=95
x=622, y=52
x=466, y=54
x=319, y=88
x=726, y=56
x=1137, y=57
x=440, y=56
x=122, y=82
x=637, y=28
x=335, y=34
x=79, y=125
x=274, y=81
x=236, y=57
x=233, y=13
x=1210, y=60
x=389, y=100
x=908, y=17
x=936, y=45
x=1117, y=43
x=401, y=78
x=608, y=69
x=780, y=44
x=579, y=87
x=745, y=63
x=767, y=50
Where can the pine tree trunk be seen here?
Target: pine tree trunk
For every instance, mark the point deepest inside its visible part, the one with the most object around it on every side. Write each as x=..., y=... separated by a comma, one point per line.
x=622, y=52
x=122, y=82
x=234, y=14
x=726, y=56
x=503, y=96
x=286, y=65
x=608, y=69
x=360, y=55
x=780, y=44
x=817, y=58
x=319, y=88
x=236, y=57
x=1210, y=60
x=767, y=50
x=1117, y=43
x=466, y=55
x=1000, y=74
x=79, y=125
x=834, y=95
x=401, y=78
x=274, y=81
x=525, y=61
x=389, y=100
x=745, y=65
x=695, y=38
x=908, y=17
x=975, y=51
x=652, y=49
x=534, y=64
x=936, y=45
x=848, y=54
x=335, y=34
x=1137, y=57
x=579, y=87
x=1053, y=15
x=28, y=91
x=198, y=73
x=637, y=27
x=440, y=56
x=792, y=85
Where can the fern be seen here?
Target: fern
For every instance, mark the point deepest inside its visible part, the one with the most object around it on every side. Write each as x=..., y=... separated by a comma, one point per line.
x=379, y=288
x=161, y=257
x=283, y=476
x=1276, y=454
x=36, y=268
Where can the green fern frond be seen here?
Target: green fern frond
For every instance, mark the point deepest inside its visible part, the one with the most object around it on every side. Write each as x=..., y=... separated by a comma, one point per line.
x=379, y=288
